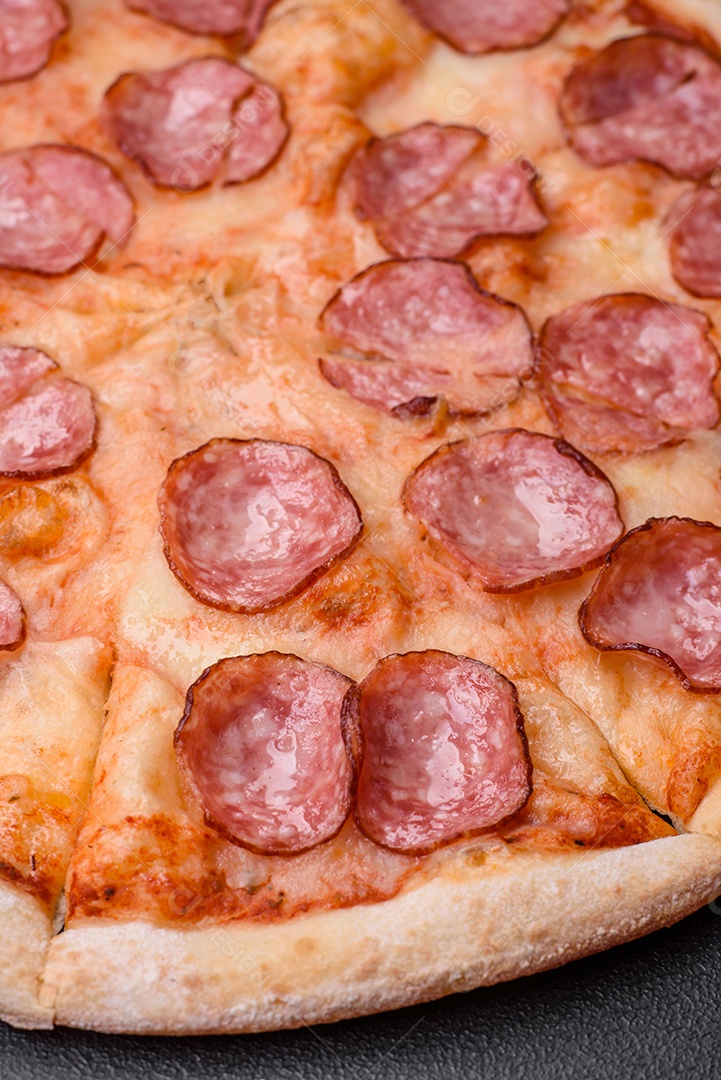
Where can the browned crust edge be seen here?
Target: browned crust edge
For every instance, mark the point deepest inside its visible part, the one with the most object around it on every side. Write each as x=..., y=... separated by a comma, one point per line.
x=474, y=925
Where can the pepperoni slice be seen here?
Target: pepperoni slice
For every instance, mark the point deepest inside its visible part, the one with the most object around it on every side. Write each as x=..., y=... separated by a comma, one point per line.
x=627, y=373
x=695, y=241
x=439, y=333
x=676, y=25
x=48, y=431
x=47, y=426
x=478, y=26
x=57, y=203
x=28, y=29
x=649, y=17
x=518, y=508
x=248, y=525
x=261, y=743
x=441, y=749
x=19, y=369
x=81, y=178
x=430, y=191
x=660, y=594
x=648, y=98
x=224, y=17
x=12, y=620
x=188, y=125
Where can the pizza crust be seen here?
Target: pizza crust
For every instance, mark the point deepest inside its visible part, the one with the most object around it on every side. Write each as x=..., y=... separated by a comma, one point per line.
x=26, y=929
x=470, y=927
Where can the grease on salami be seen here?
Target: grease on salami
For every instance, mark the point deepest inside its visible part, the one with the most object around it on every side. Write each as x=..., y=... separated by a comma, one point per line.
x=49, y=430
x=659, y=594
x=261, y=742
x=223, y=17
x=57, y=204
x=428, y=331
x=47, y=425
x=19, y=369
x=518, y=508
x=431, y=191
x=248, y=525
x=12, y=620
x=28, y=29
x=650, y=98
x=441, y=749
x=478, y=26
x=627, y=373
x=695, y=241
x=191, y=124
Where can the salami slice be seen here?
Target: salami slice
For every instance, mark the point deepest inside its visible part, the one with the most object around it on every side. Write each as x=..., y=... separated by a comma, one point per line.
x=28, y=29
x=673, y=24
x=262, y=132
x=248, y=525
x=659, y=594
x=431, y=191
x=261, y=742
x=224, y=17
x=439, y=333
x=695, y=241
x=19, y=369
x=57, y=203
x=479, y=26
x=12, y=620
x=518, y=508
x=627, y=373
x=188, y=125
x=650, y=98
x=441, y=749
x=48, y=431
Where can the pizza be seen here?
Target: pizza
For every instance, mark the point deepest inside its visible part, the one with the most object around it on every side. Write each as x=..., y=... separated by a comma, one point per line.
x=360, y=499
